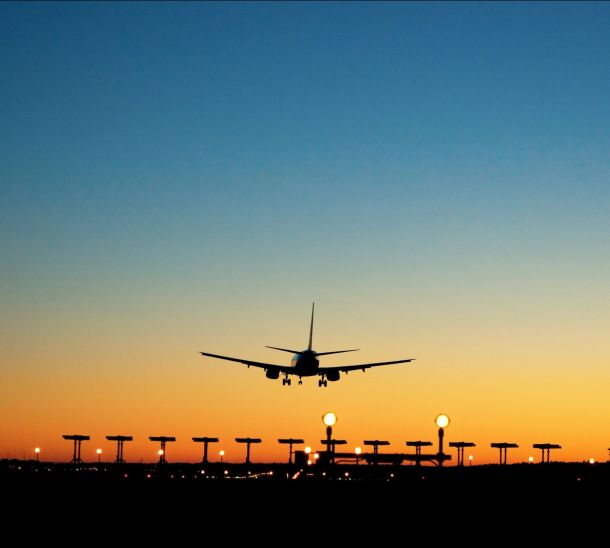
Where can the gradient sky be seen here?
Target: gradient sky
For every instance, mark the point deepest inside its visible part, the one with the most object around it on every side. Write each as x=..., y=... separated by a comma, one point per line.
x=185, y=177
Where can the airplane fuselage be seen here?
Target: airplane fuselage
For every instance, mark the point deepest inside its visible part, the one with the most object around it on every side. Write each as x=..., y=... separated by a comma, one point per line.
x=305, y=363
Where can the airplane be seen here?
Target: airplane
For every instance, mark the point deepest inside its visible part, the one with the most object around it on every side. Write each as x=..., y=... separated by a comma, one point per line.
x=305, y=363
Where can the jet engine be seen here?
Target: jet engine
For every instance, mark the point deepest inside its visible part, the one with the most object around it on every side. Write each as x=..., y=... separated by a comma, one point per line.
x=333, y=376
x=272, y=374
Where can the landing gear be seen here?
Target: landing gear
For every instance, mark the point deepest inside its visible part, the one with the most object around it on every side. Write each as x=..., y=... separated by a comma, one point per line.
x=322, y=382
x=286, y=380
x=300, y=381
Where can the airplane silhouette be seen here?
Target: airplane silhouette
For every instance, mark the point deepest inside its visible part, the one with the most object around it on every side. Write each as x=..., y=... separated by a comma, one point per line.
x=305, y=363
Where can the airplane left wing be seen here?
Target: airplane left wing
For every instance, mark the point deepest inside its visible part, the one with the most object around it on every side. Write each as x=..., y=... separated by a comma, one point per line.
x=363, y=366
x=265, y=366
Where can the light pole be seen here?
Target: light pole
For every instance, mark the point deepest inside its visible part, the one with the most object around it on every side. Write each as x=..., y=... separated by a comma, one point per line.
x=37, y=451
x=222, y=454
x=330, y=419
x=470, y=459
x=99, y=455
x=358, y=451
x=160, y=452
x=442, y=421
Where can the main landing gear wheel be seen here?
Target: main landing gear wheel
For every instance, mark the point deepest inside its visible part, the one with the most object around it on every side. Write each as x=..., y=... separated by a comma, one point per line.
x=322, y=382
x=286, y=382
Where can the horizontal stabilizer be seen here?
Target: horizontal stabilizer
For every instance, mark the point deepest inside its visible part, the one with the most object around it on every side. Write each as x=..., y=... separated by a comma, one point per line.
x=336, y=352
x=283, y=349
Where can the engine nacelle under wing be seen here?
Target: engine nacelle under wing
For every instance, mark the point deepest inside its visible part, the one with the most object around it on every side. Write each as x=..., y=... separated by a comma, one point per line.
x=333, y=376
x=272, y=374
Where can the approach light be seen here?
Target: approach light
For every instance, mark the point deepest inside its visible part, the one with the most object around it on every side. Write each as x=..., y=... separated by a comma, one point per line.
x=221, y=453
x=591, y=461
x=530, y=460
x=442, y=421
x=358, y=450
x=37, y=450
x=316, y=456
x=307, y=450
x=160, y=452
x=329, y=419
x=98, y=451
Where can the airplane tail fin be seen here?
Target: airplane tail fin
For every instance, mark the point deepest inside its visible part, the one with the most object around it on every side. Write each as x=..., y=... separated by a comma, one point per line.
x=336, y=352
x=311, y=327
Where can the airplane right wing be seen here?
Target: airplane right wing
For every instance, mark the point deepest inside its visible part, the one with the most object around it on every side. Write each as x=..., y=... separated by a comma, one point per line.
x=362, y=367
x=265, y=366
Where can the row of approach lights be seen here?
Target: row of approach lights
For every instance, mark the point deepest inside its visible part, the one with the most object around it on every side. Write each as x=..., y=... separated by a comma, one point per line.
x=330, y=419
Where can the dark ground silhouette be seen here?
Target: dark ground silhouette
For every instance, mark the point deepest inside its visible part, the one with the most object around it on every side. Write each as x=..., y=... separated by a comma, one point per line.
x=516, y=503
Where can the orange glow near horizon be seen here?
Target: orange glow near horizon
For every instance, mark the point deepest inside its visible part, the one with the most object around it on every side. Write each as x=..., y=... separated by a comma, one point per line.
x=178, y=393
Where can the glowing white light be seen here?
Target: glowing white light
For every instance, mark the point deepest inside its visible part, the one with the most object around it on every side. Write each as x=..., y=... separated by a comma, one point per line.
x=442, y=421
x=37, y=450
x=358, y=450
x=530, y=460
x=329, y=419
x=591, y=461
x=221, y=453
x=160, y=452
x=316, y=456
x=98, y=451
x=307, y=450
x=470, y=458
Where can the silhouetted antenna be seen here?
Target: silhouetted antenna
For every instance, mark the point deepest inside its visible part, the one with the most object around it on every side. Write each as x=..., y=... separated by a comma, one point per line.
x=503, y=447
x=546, y=447
x=418, y=445
x=376, y=444
x=290, y=442
x=163, y=440
x=248, y=442
x=77, y=439
x=460, y=445
x=120, y=440
x=205, y=442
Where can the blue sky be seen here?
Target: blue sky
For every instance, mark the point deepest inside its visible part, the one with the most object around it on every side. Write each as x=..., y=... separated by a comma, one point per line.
x=252, y=152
